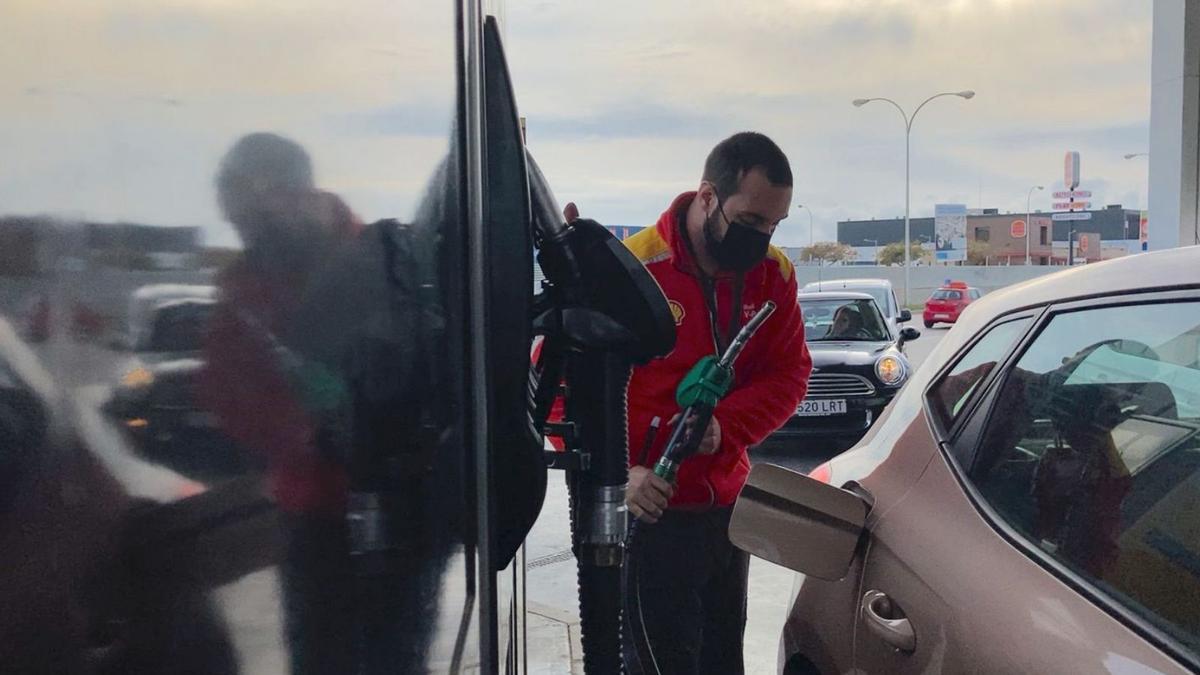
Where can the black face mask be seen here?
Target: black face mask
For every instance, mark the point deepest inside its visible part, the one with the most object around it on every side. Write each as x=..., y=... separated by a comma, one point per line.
x=742, y=248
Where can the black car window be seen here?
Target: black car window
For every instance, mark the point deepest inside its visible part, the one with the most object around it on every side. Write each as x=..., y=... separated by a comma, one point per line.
x=858, y=320
x=942, y=294
x=1092, y=453
x=179, y=328
x=948, y=397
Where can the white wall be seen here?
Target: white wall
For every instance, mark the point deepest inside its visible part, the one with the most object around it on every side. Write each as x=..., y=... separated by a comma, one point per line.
x=925, y=280
x=1175, y=125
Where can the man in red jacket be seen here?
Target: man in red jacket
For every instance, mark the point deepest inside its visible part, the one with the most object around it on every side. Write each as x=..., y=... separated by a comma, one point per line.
x=710, y=252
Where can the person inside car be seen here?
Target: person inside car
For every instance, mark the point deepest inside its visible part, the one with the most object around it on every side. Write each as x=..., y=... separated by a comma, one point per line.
x=848, y=324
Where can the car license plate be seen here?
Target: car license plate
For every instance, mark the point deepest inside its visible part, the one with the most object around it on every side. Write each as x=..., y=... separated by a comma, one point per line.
x=941, y=316
x=822, y=407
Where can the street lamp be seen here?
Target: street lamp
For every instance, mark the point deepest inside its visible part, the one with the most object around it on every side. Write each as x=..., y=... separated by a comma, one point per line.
x=810, y=230
x=1131, y=156
x=1029, y=220
x=908, y=122
x=875, y=245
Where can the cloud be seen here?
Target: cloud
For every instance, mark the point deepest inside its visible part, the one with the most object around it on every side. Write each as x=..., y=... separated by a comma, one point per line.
x=647, y=121
x=123, y=108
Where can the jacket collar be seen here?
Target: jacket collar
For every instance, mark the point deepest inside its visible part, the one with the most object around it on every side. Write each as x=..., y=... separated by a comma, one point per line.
x=672, y=227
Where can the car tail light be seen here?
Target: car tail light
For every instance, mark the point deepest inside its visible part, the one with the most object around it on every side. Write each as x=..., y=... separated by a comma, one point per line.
x=823, y=473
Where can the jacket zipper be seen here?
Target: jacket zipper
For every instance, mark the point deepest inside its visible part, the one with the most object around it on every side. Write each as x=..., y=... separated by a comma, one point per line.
x=715, y=319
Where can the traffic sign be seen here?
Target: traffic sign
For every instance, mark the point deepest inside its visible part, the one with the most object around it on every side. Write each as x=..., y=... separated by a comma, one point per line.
x=1017, y=229
x=1072, y=215
x=1067, y=194
x=1063, y=206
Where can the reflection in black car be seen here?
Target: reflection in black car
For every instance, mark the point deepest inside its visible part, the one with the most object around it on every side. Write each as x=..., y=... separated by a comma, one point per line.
x=155, y=397
x=858, y=367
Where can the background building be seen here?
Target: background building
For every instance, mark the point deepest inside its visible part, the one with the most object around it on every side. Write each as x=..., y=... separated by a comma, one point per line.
x=1110, y=232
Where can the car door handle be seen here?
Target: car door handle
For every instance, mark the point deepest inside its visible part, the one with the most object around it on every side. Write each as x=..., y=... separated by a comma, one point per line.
x=887, y=622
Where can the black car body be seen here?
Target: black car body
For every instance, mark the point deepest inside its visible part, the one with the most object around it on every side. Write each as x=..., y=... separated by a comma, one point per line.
x=848, y=389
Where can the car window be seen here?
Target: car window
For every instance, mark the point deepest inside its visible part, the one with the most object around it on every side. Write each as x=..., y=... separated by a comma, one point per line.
x=179, y=328
x=950, y=395
x=855, y=320
x=942, y=294
x=1093, y=454
x=881, y=298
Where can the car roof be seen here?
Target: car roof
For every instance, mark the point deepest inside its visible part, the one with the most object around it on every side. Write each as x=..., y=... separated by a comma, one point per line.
x=154, y=291
x=833, y=295
x=847, y=283
x=173, y=302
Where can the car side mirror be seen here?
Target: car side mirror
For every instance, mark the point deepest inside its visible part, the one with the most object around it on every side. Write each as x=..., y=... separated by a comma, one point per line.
x=909, y=334
x=787, y=518
x=905, y=315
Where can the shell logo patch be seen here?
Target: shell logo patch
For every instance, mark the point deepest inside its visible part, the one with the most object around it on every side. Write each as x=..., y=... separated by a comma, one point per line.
x=677, y=312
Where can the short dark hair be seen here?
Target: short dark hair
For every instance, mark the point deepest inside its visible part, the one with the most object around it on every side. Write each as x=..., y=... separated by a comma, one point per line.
x=269, y=159
x=741, y=153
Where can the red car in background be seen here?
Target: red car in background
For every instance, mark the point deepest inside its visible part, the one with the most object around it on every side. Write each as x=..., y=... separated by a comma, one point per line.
x=948, y=302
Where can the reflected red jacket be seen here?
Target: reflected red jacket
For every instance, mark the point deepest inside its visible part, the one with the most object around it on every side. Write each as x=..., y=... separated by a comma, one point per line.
x=771, y=375
x=252, y=398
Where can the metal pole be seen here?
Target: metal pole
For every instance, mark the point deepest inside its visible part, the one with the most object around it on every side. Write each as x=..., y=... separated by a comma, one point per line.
x=1028, y=224
x=1029, y=220
x=907, y=144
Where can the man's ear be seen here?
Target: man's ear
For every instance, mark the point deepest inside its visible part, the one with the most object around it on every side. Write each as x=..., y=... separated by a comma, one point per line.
x=707, y=194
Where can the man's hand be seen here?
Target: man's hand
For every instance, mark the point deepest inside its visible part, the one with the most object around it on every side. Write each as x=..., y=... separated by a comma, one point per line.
x=647, y=494
x=712, y=435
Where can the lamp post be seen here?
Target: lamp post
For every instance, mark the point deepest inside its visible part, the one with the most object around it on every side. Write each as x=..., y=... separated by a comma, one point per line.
x=810, y=230
x=1029, y=220
x=1126, y=243
x=908, y=122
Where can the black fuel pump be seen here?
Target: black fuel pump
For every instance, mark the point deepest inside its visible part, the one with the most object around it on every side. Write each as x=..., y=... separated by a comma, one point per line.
x=599, y=313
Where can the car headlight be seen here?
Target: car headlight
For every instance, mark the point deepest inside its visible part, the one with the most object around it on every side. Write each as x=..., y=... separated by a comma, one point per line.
x=890, y=370
x=137, y=378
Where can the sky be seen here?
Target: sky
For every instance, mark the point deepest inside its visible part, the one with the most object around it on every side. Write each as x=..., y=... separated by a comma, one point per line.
x=623, y=100
x=121, y=109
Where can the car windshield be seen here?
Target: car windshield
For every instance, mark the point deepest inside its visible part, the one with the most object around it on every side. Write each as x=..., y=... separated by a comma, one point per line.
x=858, y=320
x=179, y=328
x=944, y=294
x=880, y=293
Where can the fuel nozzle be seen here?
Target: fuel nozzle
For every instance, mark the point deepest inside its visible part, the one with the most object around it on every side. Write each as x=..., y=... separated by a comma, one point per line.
x=698, y=394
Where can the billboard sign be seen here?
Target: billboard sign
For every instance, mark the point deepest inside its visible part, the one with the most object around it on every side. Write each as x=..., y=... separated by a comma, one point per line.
x=1063, y=206
x=950, y=232
x=1017, y=229
x=1071, y=170
x=1068, y=194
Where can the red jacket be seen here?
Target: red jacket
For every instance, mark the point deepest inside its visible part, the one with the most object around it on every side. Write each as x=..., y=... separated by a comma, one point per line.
x=771, y=375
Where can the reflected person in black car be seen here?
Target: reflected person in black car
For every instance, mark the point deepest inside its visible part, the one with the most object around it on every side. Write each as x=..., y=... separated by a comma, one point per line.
x=313, y=360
